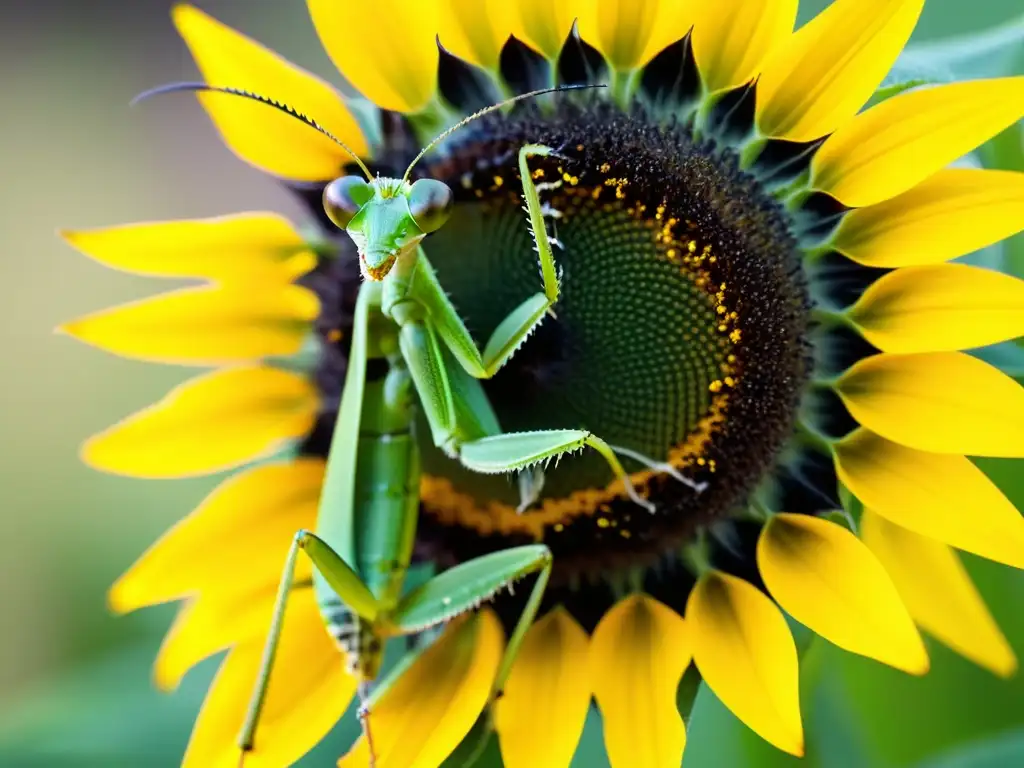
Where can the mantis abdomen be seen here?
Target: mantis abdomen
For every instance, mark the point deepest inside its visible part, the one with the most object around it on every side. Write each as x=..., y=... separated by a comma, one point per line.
x=379, y=537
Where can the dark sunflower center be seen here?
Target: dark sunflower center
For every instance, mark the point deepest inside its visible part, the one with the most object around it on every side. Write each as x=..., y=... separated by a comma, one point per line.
x=634, y=347
x=680, y=332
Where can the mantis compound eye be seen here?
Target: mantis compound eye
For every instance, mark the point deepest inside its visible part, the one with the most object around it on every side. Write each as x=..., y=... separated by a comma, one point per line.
x=430, y=203
x=344, y=197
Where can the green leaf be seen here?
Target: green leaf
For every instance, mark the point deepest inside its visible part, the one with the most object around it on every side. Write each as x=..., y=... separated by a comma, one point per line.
x=989, y=53
x=906, y=74
x=1007, y=357
x=999, y=752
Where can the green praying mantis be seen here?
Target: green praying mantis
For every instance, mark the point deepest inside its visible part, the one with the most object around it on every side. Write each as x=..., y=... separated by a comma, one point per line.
x=367, y=517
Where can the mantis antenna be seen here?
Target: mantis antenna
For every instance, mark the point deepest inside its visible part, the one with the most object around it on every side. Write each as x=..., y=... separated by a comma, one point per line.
x=445, y=134
x=279, y=105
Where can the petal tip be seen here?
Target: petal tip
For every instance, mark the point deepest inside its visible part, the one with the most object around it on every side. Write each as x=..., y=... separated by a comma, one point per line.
x=1007, y=666
x=118, y=601
x=791, y=743
x=181, y=13
x=72, y=328
x=165, y=680
x=91, y=453
x=918, y=663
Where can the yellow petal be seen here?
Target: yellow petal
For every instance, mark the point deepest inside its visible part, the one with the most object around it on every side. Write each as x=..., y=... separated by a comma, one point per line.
x=308, y=693
x=245, y=247
x=940, y=307
x=939, y=593
x=825, y=578
x=431, y=707
x=946, y=402
x=631, y=32
x=544, y=24
x=208, y=424
x=475, y=30
x=551, y=667
x=938, y=495
x=234, y=542
x=400, y=74
x=745, y=653
x=257, y=133
x=732, y=37
x=638, y=654
x=205, y=626
x=206, y=325
x=954, y=212
x=818, y=79
x=904, y=140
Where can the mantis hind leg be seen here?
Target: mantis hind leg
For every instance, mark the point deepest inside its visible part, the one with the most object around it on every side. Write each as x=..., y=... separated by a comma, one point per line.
x=247, y=736
x=342, y=579
x=364, y=691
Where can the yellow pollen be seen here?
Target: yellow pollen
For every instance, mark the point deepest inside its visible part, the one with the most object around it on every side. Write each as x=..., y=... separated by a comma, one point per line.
x=334, y=335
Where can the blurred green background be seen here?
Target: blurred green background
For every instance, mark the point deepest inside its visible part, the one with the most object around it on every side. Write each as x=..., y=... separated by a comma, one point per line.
x=74, y=681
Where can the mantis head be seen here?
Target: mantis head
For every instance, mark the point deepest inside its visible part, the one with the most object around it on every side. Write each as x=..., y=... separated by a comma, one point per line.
x=386, y=217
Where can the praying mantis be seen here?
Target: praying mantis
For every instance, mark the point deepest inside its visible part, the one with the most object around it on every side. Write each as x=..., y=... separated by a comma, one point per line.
x=366, y=523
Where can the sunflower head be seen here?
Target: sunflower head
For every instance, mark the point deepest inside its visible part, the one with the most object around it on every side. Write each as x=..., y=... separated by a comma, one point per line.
x=753, y=311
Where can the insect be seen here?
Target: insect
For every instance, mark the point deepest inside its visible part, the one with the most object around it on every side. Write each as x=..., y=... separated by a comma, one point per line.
x=367, y=518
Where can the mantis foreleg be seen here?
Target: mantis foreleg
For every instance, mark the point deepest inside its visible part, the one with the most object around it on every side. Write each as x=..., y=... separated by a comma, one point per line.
x=520, y=323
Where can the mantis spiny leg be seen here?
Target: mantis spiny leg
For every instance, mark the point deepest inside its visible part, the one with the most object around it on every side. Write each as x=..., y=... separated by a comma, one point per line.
x=520, y=323
x=465, y=586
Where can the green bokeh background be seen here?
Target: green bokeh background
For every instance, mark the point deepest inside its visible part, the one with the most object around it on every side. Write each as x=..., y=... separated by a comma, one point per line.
x=74, y=680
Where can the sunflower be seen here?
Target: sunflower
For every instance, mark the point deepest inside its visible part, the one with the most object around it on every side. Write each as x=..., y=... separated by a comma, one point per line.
x=755, y=291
